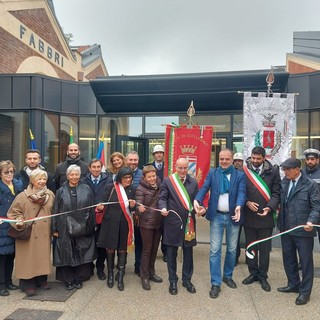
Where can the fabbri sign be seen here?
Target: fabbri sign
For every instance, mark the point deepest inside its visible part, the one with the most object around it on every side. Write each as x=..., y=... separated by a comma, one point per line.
x=41, y=46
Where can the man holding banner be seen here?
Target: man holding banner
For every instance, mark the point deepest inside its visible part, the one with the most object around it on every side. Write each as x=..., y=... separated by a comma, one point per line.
x=175, y=201
x=263, y=197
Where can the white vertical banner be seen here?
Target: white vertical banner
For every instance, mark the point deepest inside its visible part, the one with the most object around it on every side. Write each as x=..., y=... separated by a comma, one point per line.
x=268, y=122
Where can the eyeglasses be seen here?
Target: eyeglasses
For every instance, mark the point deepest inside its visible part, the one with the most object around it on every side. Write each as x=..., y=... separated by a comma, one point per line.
x=6, y=173
x=127, y=178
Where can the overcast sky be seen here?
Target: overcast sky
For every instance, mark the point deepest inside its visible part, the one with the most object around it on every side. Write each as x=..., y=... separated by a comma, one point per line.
x=187, y=36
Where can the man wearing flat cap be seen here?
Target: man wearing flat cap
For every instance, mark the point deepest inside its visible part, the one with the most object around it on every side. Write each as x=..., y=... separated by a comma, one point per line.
x=299, y=205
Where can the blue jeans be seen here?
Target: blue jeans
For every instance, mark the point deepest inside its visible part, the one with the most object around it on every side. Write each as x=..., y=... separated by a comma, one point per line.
x=220, y=223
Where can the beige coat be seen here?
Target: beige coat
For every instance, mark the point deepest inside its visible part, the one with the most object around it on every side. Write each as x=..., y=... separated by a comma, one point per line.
x=33, y=256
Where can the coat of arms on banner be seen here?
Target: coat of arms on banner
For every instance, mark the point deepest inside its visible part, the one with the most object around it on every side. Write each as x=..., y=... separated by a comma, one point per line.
x=268, y=122
x=268, y=137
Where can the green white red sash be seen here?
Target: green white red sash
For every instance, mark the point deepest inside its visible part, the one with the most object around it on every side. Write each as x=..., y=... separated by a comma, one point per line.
x=258, y=182
x=187, y=204
x=124, y=204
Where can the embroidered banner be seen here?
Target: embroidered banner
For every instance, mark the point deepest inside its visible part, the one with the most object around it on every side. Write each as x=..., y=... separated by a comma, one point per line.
x=191, y=142
x=268, y=122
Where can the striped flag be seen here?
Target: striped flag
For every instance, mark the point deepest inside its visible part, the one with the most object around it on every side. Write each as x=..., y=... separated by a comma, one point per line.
x=71, y=135
x=100, y=153
x=32, y=141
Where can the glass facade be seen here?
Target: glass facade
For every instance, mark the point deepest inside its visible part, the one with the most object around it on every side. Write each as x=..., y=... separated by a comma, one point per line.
x=51, y=141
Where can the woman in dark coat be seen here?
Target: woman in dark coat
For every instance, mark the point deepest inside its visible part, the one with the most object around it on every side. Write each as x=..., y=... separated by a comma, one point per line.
x=9, y=188
x=151, y=222
x=74, y=249
x=117, y=226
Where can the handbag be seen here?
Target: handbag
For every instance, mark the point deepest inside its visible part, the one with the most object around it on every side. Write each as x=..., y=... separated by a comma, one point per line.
x=100, y=214
x=23, y=234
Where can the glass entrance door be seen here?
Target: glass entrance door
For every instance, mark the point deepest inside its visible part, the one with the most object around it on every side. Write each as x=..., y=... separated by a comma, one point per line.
x=124, y=144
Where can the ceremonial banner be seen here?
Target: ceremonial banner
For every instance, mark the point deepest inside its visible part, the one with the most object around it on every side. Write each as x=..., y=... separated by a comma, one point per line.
x=268, y=122
x=191, y=142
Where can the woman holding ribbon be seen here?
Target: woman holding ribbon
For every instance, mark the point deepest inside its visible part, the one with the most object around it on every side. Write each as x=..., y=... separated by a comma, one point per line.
x=117, y=225
x=151, y=223
x=33, y=256
x=73, y=229
x=9, y=189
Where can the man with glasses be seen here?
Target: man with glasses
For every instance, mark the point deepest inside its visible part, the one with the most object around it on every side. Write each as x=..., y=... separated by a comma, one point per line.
x=33, y=162
x=299, y=205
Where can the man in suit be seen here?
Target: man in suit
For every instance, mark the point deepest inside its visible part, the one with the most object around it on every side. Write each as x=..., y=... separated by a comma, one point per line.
x=263, y=197
x=98, y=182
x=177, y=193
x=228, y=194
x=299, y=205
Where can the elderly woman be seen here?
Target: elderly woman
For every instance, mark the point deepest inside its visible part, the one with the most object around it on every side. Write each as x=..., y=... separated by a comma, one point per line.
x=74, y=249
x=117, y=226
x=150, y=224
x=33, y=256
x=116, y=162
x=9, y=189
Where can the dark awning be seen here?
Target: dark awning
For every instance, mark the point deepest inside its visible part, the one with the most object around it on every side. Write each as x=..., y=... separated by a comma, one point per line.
x=173, y=93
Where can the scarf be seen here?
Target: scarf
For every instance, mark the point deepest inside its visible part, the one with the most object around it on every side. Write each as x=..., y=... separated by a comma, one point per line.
x=224, y=181
x=37, y=196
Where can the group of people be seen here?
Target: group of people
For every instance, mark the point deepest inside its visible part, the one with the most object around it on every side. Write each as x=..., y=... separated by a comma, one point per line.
x=100, y=215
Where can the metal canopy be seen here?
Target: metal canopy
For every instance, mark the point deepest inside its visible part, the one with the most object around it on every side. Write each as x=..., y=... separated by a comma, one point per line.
x=173, y=93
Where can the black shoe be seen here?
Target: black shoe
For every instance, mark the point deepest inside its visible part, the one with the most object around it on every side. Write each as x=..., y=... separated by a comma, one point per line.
x=137, y=272
x=190, y=287
x=11, y=286
x=77, y=284
x=164, y=258
x=30, y=292
x=173, y=289
x=229, y=282
x=265, y=285
x=288, y=289
x=214, y=292
x=249, y=280
x=155, y=278
x=302, y=299
x=101, y=275
x=145, y=284
x=4, y=292
x=68, y=285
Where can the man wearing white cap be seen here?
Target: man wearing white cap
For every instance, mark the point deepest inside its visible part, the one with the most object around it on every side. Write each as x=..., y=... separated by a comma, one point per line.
x=312, y=168
x=238, y=160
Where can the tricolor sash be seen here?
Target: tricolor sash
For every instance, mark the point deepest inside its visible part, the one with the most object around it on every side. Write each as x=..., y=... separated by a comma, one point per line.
x=258, y=182
x=124, y=204
x=187, y=204
x=261, y=186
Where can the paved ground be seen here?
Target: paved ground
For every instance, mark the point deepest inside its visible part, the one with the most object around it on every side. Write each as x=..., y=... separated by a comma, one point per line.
x=97, y=301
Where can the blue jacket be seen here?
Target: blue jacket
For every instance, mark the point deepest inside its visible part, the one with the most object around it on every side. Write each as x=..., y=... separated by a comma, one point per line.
x=6, y=199
x=237, y=194
x=137, y=174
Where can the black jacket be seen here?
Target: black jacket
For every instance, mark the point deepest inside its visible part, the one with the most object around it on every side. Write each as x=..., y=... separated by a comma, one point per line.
x=75, y=244
x=61, y=168
x=302, y=207
x=24, y=178
x=270, y=175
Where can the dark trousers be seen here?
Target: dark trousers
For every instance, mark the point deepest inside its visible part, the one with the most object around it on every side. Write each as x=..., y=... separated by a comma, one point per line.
x=150, y=244
x=187, y=263
x=6, y=268
x=304, y=246
x=137, y=248
x=33, y=282
x=259, y=265
x=70, y=274
x=101, y=252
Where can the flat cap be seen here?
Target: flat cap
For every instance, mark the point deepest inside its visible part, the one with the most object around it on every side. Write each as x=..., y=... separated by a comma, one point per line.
x=291, y=163
x=314, y=153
